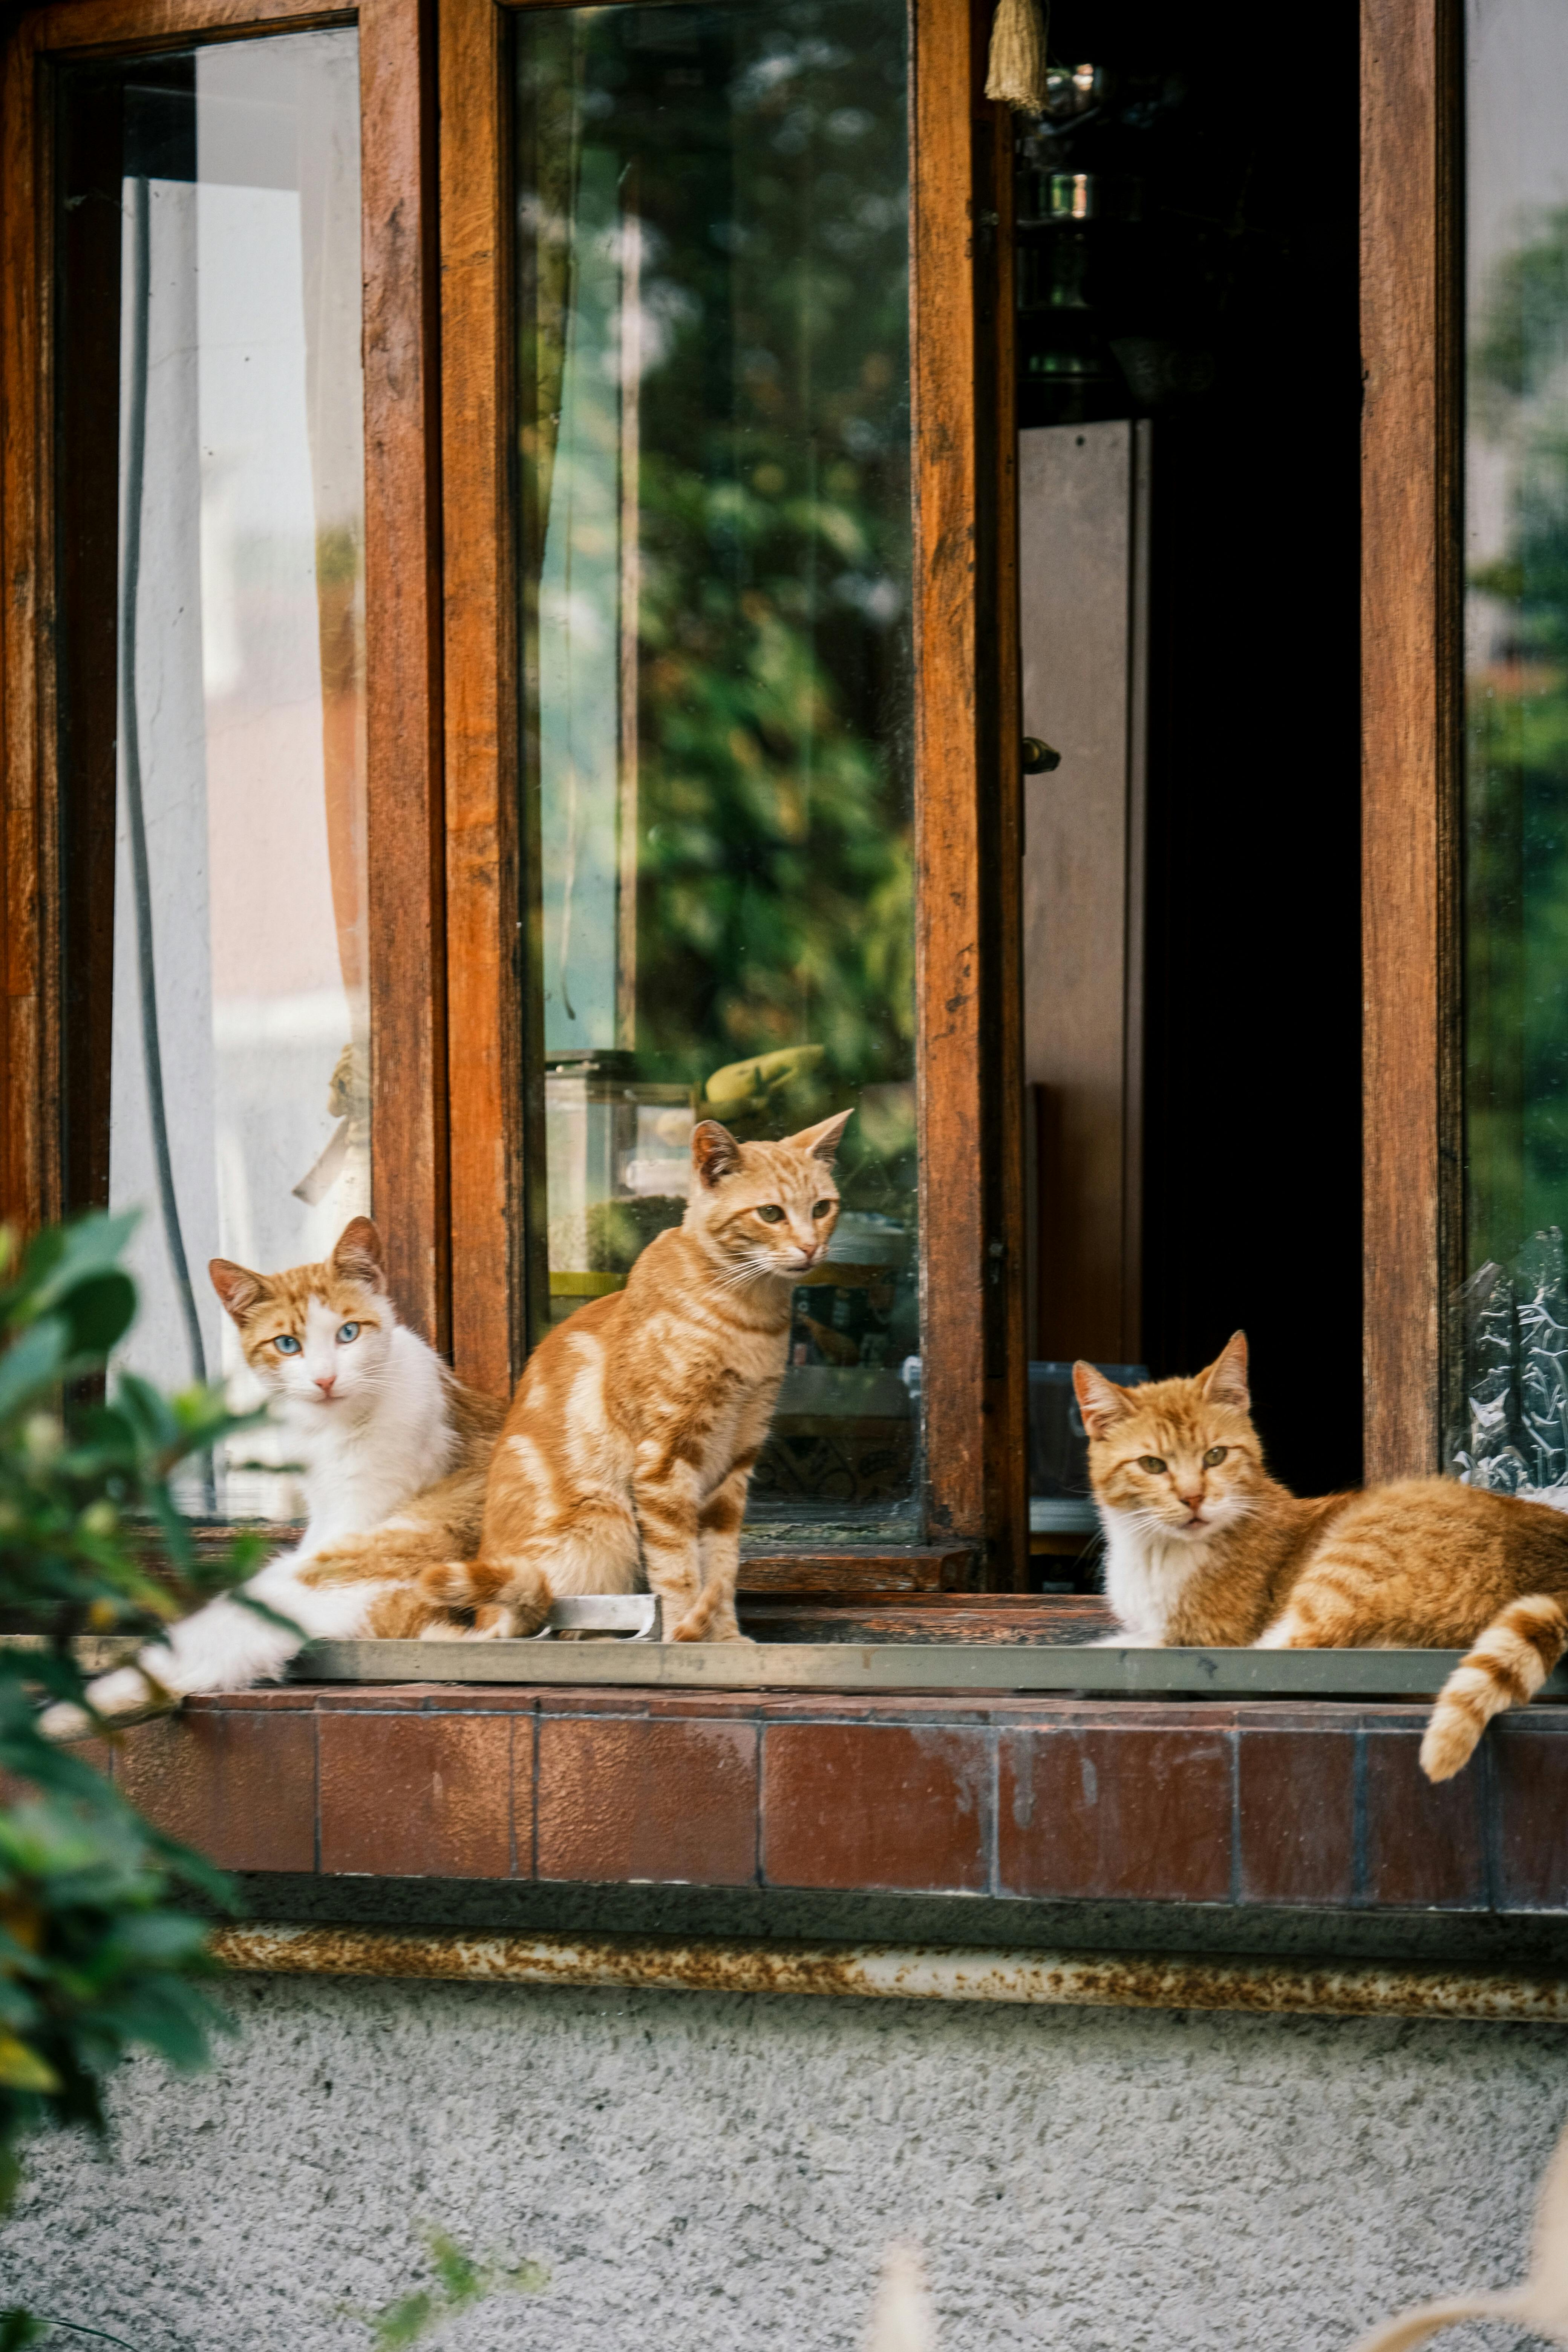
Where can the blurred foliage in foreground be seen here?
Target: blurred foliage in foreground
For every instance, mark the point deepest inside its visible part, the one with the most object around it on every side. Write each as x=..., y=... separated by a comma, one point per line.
x=460, y=2283
x=96, y=1951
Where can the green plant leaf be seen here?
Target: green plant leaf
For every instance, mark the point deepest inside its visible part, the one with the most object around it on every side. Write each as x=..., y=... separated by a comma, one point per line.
x=31, y=1365
x=22, y=2069
x=99, y=1311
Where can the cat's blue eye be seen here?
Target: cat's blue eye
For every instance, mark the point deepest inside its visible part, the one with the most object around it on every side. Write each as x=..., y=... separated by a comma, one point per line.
x=822, y=1208
x=770, y=1214
x=347, y=1332
x=1216, y=1453
x=286, y=1344
x=1153, y=1463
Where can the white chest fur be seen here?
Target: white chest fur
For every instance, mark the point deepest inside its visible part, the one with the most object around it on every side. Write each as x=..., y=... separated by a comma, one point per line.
x=1146, y=1574
x=358, y=1470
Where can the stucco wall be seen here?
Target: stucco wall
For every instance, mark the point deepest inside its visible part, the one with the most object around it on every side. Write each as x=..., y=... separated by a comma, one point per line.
x=722, y=2171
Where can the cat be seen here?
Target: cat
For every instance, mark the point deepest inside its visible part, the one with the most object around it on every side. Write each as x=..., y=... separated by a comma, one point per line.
x=395, y=1453
x=628, y=1449
x=1204, y=1550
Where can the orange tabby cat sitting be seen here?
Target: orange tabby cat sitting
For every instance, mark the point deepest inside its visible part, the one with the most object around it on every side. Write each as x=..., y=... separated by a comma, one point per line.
x=635, y=1426
x=1204, y=1550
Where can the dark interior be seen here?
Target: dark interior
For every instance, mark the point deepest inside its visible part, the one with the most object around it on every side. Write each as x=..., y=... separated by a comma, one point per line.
x=1226, y=312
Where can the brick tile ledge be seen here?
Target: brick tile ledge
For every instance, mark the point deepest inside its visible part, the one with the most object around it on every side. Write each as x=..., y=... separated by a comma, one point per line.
x=1256, y=1802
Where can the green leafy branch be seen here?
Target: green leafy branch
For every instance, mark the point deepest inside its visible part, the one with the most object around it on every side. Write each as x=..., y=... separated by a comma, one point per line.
x=98, y=1947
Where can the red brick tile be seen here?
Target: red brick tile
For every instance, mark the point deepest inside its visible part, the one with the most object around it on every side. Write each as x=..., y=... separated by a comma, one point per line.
x=383, y=1699
x=420, y=1796
x=266, y=1701
x=877, y=1805
x=238, y=1784
x=1424, y=1844
x=424, y=1698
x=922, y=1707
x=1295, y=1791
x=671, y=1800
x=1137, y=1813
x=99, y=1753
x=1530, y=1782
x=625, y=1699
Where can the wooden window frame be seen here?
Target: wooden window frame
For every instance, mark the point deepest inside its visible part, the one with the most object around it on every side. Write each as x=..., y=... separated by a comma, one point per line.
x=1412, y=721
x=968, y=795
x=403, y=605
x=448, y=1159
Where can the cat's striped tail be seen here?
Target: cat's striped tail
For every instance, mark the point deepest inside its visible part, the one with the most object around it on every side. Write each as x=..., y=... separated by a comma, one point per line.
x=1506, y=1668
x=508, y=1595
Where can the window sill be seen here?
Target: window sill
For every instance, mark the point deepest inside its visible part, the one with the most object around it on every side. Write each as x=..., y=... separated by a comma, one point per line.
x=1235, y=1804
x=1066, y=1660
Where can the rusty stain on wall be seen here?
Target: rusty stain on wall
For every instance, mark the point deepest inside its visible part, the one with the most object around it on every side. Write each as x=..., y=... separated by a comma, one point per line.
x=1071, y=1980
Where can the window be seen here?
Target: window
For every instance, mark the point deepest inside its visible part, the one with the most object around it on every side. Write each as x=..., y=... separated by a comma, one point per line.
x=452, y=864
x=716, y=625
x=1514, y=847
x=210, y=446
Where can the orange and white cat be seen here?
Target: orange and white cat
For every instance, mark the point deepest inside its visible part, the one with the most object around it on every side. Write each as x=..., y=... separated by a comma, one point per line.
x=394, y=1452
x=627, y=1453
x=1204, y=1550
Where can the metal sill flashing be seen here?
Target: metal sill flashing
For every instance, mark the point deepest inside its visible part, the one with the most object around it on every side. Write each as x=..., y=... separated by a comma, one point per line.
x=901, y=1972
x=967, y=1667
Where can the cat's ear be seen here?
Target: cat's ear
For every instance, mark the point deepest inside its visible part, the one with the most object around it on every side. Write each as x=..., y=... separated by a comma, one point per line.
x=1225, y=1383
x=1100, y=1401
x=823, y=1140
x=358, y=1255
x=237, y=1287
x=715, y=1153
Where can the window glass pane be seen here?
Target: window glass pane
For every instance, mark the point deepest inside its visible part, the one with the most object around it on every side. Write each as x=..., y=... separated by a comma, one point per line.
x=1514, y=1425
x=714, y=438
x=213, y=744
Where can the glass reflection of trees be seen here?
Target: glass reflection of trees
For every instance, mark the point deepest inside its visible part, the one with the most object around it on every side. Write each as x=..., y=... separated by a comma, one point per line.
x=758, y=157
x=1516, y=806
x=714, y=496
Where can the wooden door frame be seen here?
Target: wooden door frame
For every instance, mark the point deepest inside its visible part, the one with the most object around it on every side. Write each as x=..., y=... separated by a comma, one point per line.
x=1412, y=542
x=402, y=647
x=968, y=792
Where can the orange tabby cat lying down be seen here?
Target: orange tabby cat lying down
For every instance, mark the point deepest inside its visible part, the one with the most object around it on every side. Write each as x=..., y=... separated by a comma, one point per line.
x=635, y=1423
x=1204, y=1550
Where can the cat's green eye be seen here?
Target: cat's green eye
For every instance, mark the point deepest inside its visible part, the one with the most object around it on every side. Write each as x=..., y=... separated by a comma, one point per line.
x=1216, y=1453
x=771, y=1213
x=347, y=1332
x=822, y=1208
x=287, y=1344
x=1153, y=1463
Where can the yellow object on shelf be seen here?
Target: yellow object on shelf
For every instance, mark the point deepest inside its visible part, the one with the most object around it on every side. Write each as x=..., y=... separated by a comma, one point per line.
x=751, y=1086
x=584, y=1286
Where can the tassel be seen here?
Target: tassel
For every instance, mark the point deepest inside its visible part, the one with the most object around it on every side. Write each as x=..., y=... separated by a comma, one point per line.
x=1017, y=66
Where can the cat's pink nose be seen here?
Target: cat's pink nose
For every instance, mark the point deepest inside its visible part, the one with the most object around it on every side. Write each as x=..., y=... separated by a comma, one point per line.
x=326, y=1382
x=1194, y=1503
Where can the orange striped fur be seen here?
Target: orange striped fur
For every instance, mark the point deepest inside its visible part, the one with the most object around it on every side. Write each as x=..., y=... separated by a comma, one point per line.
x=1204, y=1550
x=627, y=1453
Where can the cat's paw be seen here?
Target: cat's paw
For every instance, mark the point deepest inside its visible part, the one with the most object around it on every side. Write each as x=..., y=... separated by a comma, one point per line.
x=65, y=1721
x=700, y=1626
x=125, y=1696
